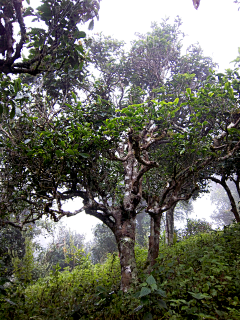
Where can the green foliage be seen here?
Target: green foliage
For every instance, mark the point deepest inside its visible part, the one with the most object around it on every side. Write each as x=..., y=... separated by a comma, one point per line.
x=198, y=278
x=52, y=38
x=222, y=215
x=103, y=243
x=201, y=276
x=11, y=243
x=13, y=96
x=61, y=149
x=68, y=291
x=65, y=249
x=23, y=268
x=194, y=227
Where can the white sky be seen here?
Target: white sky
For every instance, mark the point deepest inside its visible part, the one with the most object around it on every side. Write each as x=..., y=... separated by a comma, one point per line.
x=215, y=25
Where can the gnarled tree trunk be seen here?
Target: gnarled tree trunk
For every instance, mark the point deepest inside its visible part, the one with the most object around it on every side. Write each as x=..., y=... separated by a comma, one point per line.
x=124, y=231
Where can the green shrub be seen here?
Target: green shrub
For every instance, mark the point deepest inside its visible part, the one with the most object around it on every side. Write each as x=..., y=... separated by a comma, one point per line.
x=198, y=278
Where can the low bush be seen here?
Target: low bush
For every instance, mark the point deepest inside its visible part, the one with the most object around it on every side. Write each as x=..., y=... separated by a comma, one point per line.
x=198, y=278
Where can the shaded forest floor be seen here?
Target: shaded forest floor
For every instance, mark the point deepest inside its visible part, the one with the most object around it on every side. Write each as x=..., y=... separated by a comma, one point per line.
x=198, y=278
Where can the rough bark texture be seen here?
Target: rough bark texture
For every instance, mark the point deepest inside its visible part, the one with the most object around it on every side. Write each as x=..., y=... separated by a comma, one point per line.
x=170, y=225
x=153, y=248
x=124, y=232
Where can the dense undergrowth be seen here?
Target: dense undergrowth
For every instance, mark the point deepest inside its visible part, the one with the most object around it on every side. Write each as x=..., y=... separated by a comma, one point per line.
x=198, y=278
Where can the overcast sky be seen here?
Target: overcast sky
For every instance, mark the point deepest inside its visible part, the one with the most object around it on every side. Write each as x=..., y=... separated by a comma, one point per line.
x=215, y=25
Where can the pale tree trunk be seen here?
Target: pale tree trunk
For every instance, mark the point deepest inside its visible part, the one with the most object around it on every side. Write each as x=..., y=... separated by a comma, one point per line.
x=223, y=183
x=125, y=236
x=153, y=248
x=169, y=227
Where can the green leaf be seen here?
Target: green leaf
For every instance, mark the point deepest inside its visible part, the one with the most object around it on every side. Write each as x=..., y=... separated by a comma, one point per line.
x=74, y=96
x=84, y=155
x=101, y=289
x=28, y=12
x=82, y=34
x=69, y=106
x=12, y=113
x=59, y=153
x=17, y=85
x=61, y=143
x=128, y=113
x=189, y=91
x=176, y=101
x=162, y=304
x=28, y=2
x=227, y=86
x=154, y=286
x=70, y=151
x=182, y=151
x=150, y=280
x=220, y=313
x=110, y=125
x=144, y=292
x=91, y=25
x=200, y=296
x=81, y=65
x=147, y=316
x=161, y=292
x=144, y=284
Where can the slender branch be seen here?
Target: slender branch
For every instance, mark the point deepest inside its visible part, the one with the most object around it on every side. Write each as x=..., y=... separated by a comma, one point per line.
x=230, y=153
x=225, y=133
x=115, y=158
x=18, y=8
x=63, y=213
x=7, y=134
x=137, y=149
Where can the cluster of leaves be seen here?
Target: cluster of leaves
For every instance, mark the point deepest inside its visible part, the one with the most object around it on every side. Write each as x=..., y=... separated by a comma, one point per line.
x=194, y=227
x=198, y=278
x=66, y=250
x=52, y=39
x=57, y=151
x=13, y=95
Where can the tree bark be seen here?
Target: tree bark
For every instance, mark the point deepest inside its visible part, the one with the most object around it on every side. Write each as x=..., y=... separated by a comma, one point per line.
x=223, y=183
x=170, y=225
x=153, y=248
x=125, y=236
x=232, y=201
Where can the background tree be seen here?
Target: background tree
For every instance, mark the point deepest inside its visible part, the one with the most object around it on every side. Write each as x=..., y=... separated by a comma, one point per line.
x=11, y=244
x=155, y=150
x=222, y=214
x=154, y=68
x=194, y=227
x=103, y=243
x=66, y=249
x=229, y=168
